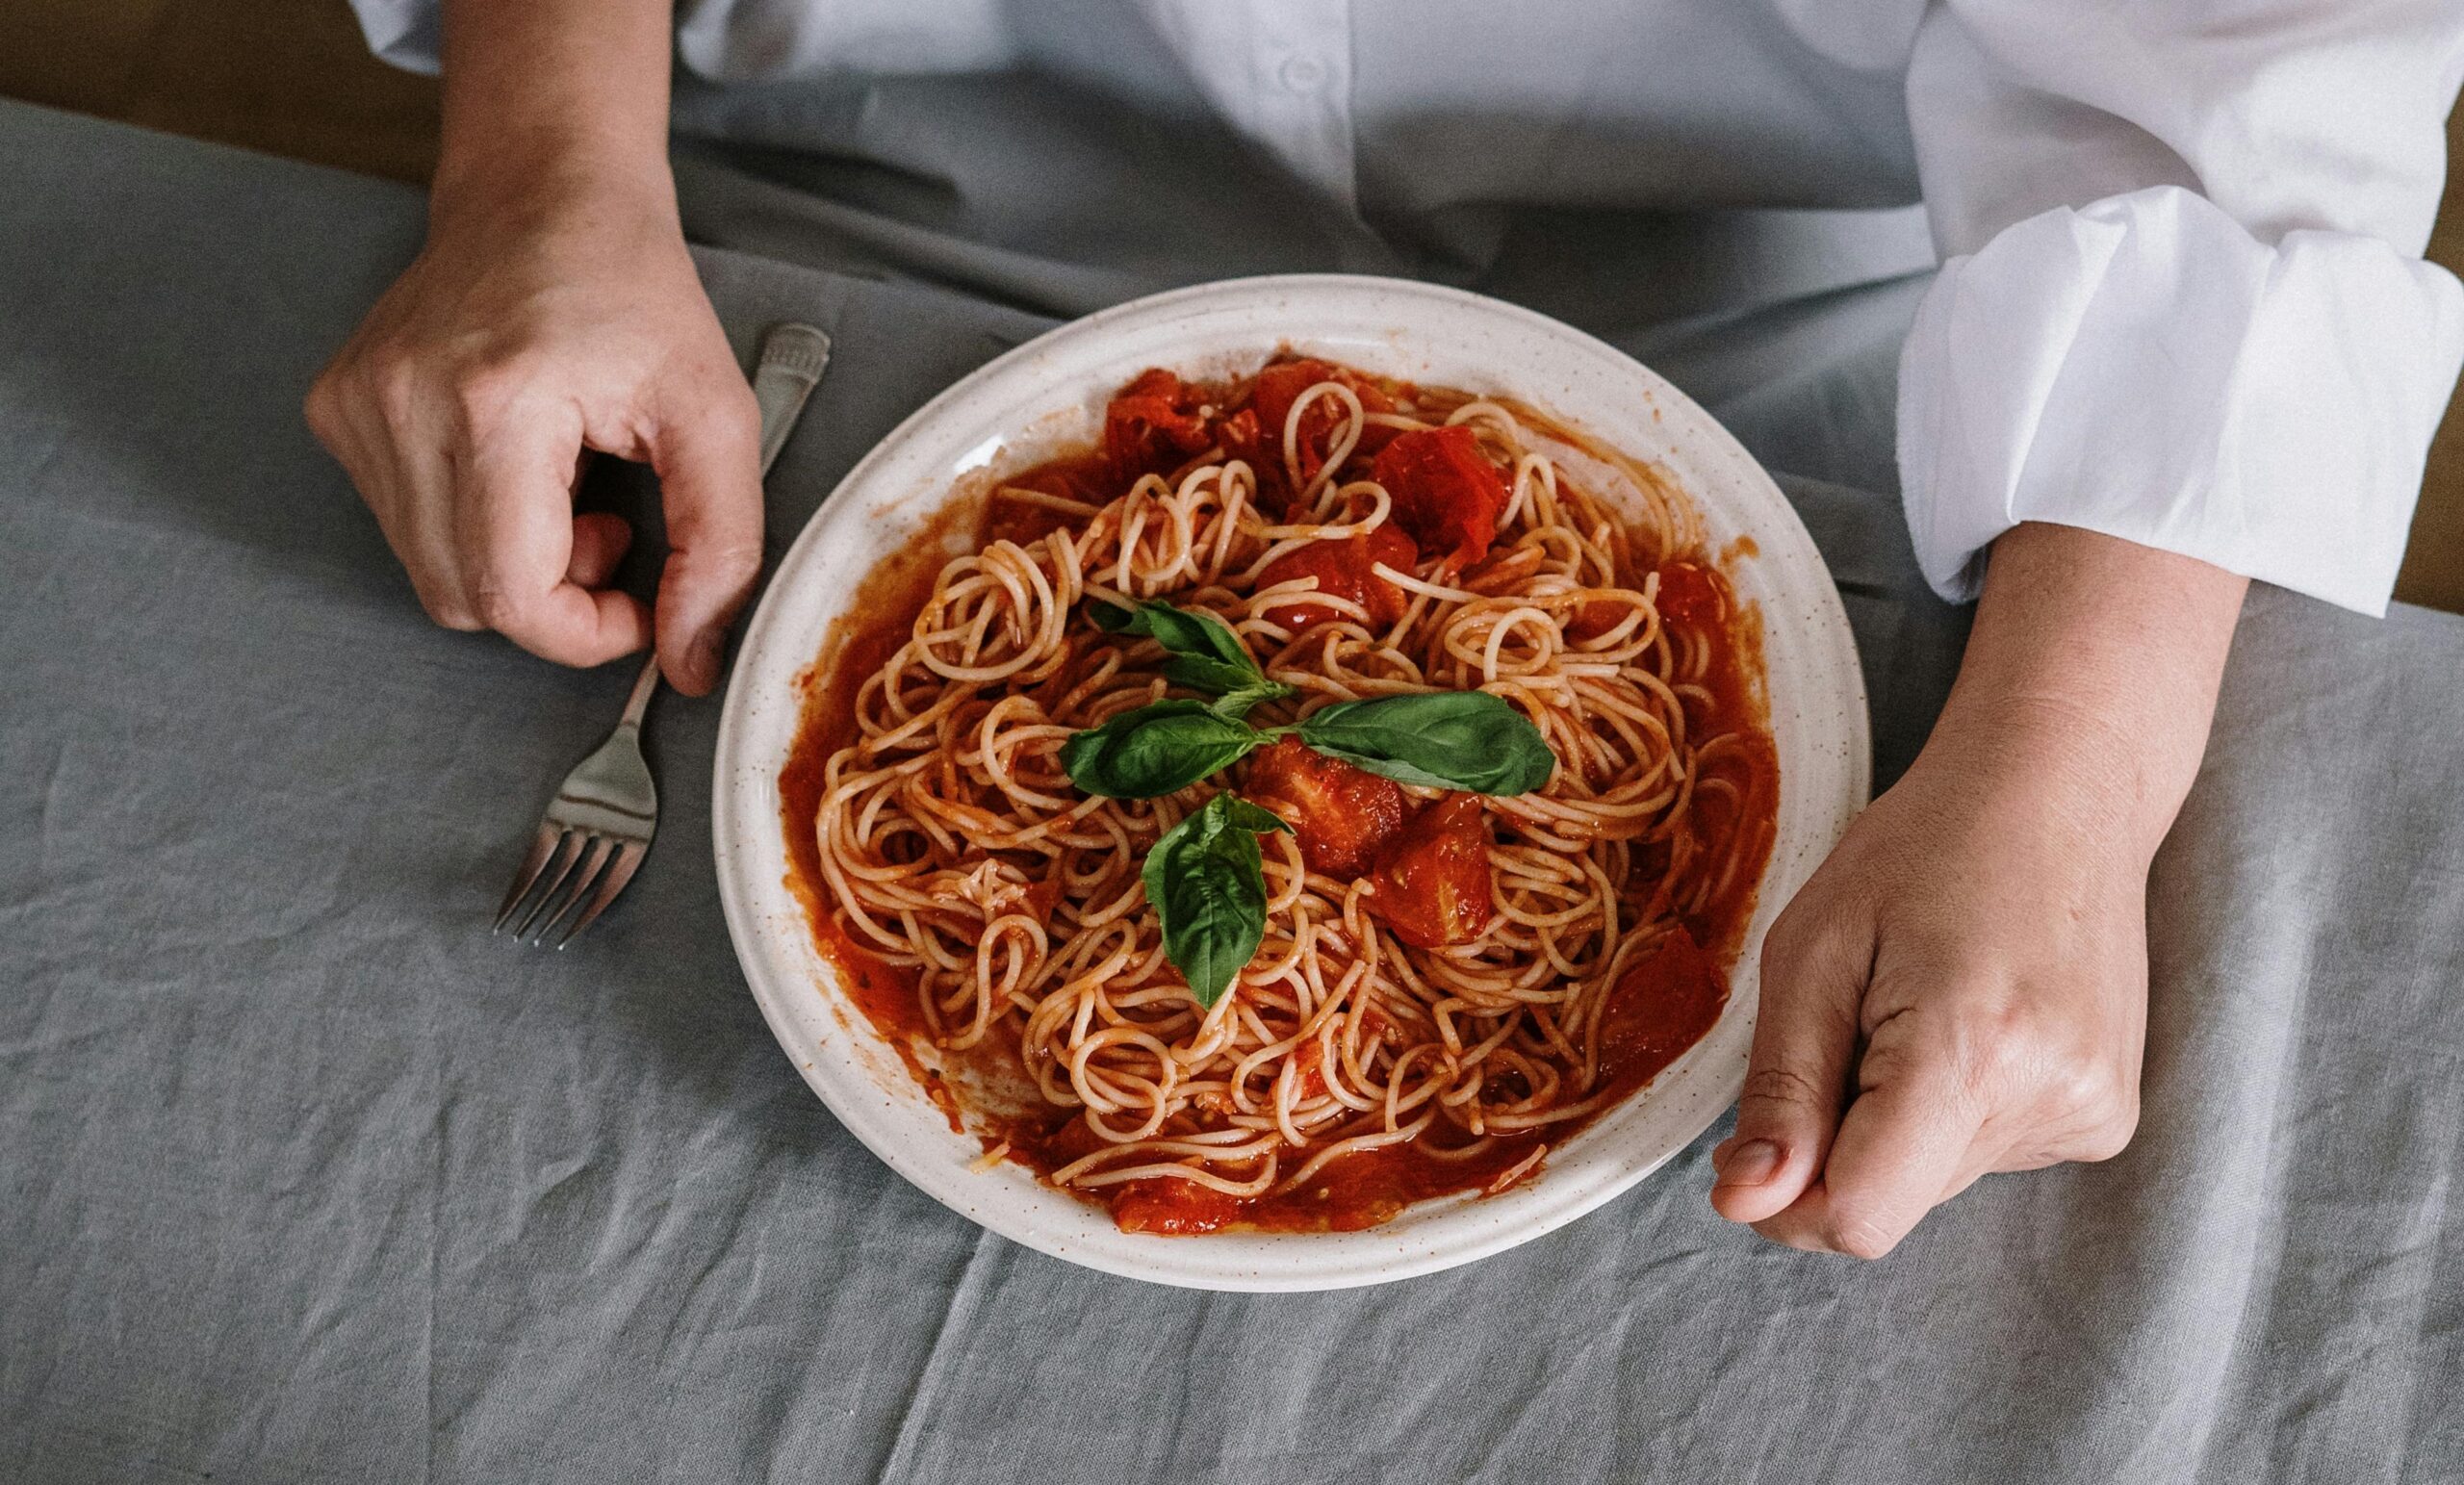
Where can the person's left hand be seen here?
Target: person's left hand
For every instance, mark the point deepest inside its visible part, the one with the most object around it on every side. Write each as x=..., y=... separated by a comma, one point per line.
x=1961, y=987
x=1968, y=975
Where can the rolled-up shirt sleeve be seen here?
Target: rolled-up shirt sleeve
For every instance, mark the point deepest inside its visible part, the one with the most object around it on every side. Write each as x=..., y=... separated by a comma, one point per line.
x=2183, y=300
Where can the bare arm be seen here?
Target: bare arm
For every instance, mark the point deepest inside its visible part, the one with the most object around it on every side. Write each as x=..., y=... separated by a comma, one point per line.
x=1962, y=988
x=560, y=86
x=554, y=310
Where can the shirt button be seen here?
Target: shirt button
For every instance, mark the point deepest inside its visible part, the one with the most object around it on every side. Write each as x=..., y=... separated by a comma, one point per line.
x=1303, y=73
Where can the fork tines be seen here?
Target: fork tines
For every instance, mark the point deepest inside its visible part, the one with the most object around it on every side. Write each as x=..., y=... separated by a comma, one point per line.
x=568, y=868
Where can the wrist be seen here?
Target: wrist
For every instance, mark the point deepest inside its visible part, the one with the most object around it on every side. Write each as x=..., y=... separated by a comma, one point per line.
x=550, y=196
x=2090, y=678
x=2059, y=765
x=548, y=182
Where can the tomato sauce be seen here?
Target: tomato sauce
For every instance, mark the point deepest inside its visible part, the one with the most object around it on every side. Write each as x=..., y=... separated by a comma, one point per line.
x=1662, y=1005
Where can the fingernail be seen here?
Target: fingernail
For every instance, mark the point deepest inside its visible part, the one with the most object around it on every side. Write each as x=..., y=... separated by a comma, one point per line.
x=1750, y=1163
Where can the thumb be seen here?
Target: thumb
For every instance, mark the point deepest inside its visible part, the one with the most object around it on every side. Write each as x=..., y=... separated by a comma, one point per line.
x=1796, y=1082
x=706, y=448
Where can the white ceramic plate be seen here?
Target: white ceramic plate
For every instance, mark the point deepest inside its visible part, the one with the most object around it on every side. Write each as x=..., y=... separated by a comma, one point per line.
x=1050, y=394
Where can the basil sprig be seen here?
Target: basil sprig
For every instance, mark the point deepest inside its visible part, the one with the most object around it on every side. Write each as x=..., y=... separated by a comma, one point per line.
x=1206, y=877
x=1466, y=740
x=1200, y=652
x=1207, y=880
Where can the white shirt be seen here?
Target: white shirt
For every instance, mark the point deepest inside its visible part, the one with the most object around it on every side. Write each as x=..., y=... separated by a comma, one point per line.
x=2181, y=297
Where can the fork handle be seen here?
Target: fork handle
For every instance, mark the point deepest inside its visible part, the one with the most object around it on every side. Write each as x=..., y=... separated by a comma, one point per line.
x=791, y=362
x=639, y=702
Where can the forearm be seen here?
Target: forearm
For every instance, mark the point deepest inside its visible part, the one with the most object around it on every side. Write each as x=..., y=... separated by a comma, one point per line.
x=2099, y=658
x=545, y=98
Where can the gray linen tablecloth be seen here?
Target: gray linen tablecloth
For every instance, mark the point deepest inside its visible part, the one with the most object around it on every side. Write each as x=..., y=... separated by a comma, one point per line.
x=304, y=1177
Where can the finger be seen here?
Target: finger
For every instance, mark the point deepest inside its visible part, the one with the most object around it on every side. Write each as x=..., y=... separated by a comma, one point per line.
x=1813, y=976
x=1904, y=1147
x=322, y=411
x=515, y=533
x=392, y=444
x=355, y=443
x=601, y=540
x=706, y=448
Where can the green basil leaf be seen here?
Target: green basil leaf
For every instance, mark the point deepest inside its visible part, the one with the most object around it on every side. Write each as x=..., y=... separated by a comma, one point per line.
x=1202, y=673
x=1112, y=618
x=1206, y=656
x=1443, y=740
x=1256, y=819
x=1209, y=886
x=1194, y=631
x=1236, y=703
x=1155, y=750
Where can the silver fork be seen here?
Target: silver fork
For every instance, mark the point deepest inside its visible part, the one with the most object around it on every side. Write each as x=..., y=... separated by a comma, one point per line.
x=599, y=826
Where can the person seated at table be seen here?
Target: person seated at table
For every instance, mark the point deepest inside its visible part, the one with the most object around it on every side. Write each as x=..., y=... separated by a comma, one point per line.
x=2181, y=337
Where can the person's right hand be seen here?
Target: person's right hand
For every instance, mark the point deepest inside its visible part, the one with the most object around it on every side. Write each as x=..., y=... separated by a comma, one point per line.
x=540, y=322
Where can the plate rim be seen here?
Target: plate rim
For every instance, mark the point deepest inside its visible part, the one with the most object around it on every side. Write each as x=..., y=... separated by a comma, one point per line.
x=1146, y=1262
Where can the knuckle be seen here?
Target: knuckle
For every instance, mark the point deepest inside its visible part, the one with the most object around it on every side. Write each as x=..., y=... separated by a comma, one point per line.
x=2104, y=1105
x=1791, y=1232
x=1782, y=1088
x=2082, y=1086
x=320, y=406
x=1783, y=946
x=734, y=565
x=1791, y=938
x=1859, y=1237
x=449, y=612
x=500, y=609
x=2034, y=1063
x=1998, y=1046
x=394, y=385
x=1856, y=1221
x=2108, y=1138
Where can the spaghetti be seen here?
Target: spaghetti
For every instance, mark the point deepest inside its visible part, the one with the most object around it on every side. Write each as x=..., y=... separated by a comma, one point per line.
x=1447, y=982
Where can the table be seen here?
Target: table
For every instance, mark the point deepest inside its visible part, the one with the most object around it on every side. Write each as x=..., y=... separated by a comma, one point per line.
x=304, y=1176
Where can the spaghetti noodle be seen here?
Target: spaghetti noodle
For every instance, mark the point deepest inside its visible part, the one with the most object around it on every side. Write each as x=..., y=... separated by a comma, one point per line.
x=1419, y=1018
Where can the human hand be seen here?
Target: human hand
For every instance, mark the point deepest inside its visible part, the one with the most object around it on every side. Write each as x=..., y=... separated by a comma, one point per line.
x=1968, y=973
x=1961, y=989
x=550, y=315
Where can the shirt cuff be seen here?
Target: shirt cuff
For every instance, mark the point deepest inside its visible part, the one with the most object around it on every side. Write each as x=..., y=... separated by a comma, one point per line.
x=2146, y=368
x=402, y=32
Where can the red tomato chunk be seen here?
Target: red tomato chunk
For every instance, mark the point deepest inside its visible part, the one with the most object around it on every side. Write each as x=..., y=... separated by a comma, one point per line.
x=1448, y=495
x=1341, y=815
x=1432, y=885
x=1260, y=440
x=1153, y=425
x=1691, y=595
x=1663, y=1004
x=1346, y=568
